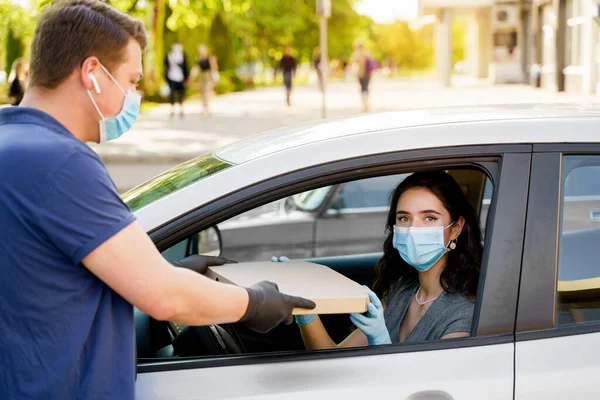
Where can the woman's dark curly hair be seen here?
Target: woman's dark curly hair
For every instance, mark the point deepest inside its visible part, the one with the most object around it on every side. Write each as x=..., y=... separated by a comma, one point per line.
x=461, y=274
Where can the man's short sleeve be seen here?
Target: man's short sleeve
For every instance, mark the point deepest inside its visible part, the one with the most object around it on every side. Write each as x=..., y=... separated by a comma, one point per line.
x=81, y=209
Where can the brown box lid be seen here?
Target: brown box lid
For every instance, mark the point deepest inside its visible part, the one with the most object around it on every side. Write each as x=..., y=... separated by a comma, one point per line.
x=332, y=292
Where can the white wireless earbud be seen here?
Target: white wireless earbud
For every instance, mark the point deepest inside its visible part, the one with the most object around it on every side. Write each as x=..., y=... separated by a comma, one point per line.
x=92, y=78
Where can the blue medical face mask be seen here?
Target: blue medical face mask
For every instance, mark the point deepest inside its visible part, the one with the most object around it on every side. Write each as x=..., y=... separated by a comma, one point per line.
x=421, y=247
x=114, y=127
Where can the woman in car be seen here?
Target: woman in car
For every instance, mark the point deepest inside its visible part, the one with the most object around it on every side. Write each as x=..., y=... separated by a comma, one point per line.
x=428, y=274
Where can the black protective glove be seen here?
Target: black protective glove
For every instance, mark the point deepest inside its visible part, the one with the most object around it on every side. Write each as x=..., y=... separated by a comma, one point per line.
x=199, y=263
x=268, y=307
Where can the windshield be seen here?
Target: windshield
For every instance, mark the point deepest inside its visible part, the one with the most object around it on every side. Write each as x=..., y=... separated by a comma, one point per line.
x=311, y=200
x=173, y=180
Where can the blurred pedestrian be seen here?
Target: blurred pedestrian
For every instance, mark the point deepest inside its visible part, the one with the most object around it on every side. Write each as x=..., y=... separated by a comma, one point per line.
x=18, y=81
x=208, y=69
x=345, y=69
x=288, y=65
x=364, y=65
x=177, y=74
x=317, y=65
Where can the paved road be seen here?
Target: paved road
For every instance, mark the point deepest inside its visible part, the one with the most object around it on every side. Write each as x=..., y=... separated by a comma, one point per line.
x=158, y=141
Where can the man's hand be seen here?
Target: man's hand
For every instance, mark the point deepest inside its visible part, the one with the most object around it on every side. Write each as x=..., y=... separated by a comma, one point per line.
x=268, y=307
x=198, y=263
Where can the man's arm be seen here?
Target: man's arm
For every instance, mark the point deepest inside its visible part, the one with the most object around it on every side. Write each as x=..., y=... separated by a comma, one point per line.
x=84, y=217
x=131, y=265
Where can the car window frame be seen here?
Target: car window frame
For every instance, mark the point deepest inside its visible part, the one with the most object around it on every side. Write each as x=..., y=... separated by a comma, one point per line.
x=500, y=162
x=355, y=210
x=539, y=281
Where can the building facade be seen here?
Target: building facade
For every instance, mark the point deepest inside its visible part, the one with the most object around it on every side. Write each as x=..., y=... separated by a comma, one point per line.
x=566, y=41
x=498, y=37
x=552, y=44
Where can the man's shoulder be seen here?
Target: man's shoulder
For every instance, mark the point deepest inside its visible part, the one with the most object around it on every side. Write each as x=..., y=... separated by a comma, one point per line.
x=40, y=151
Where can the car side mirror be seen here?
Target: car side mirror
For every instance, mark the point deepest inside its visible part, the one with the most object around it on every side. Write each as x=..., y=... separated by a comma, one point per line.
x=337, y=204
x=210, y=242
x=289, y=204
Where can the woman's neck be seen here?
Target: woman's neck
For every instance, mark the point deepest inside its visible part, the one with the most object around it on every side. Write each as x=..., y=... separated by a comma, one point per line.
x=430, y=280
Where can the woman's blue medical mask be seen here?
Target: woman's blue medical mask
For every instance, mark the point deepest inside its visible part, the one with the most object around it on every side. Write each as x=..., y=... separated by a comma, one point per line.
x=114, y=127
x=420, y=247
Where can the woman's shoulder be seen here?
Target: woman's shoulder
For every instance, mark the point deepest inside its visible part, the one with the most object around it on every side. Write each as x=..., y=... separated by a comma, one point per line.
x=458, y=305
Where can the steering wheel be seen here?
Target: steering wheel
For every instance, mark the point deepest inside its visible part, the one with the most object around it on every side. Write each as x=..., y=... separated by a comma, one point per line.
x=213, y=340
x=206, y=340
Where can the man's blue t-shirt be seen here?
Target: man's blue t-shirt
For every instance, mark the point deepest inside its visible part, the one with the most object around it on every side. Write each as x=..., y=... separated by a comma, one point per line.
x=64, y=334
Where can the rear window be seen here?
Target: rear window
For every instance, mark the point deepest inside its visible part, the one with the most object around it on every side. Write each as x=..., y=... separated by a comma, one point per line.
x=173, y=180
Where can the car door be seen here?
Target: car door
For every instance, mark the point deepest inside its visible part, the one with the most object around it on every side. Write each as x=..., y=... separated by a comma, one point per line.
x=558, y=328
x=470, y=368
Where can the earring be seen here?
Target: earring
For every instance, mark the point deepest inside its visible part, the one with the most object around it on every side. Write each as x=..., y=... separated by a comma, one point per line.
x=453, y=244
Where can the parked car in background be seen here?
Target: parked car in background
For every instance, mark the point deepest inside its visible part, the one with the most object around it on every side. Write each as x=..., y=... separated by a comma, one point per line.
x=347, y=218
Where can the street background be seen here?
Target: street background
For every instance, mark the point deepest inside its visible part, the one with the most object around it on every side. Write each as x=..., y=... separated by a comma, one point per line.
x=158, y=142
x=430, y=53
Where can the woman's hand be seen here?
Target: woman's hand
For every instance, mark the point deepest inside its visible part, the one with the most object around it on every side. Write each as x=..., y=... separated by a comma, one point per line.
x=373, y=325
x=300, y=319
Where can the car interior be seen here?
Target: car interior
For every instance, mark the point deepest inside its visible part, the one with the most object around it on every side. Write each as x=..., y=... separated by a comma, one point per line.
x=160, y=340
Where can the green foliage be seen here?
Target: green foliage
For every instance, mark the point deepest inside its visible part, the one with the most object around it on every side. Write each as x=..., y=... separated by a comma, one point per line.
x=458, y=41
x=220, y=40
x=409, y=49
x=265, y=26
x=14, y=49
x=244, y=31
x=17, y=25
x=414, y=49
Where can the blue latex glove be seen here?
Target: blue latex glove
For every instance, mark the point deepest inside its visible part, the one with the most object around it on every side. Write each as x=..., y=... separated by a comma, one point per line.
x=373, y=325
x=305, y=319
x=300, y=319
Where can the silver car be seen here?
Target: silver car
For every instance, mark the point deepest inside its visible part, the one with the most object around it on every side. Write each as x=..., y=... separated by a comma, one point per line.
x=319, y=192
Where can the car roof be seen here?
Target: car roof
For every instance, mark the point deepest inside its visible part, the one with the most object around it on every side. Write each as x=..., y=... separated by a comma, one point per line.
x=290, y=137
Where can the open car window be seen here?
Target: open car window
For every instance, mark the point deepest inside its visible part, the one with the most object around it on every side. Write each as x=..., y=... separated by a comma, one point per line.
x=306, y=226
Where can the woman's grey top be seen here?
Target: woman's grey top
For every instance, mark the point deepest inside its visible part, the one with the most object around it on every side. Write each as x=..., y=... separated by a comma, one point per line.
x=449, y=313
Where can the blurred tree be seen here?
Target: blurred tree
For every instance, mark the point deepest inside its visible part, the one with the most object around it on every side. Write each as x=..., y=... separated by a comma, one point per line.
x=221, y=43
x=413, y=49
x=409, y=49
x=16, y=31
x=14, y=49
x=458, y=41
x=238, y=31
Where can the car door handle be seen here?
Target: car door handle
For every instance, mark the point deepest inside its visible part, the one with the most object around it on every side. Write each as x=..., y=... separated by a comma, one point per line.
x=430, y=395
x=595, y=214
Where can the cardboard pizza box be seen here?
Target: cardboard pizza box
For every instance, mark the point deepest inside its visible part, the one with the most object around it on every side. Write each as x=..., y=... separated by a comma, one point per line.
x=332, y=292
